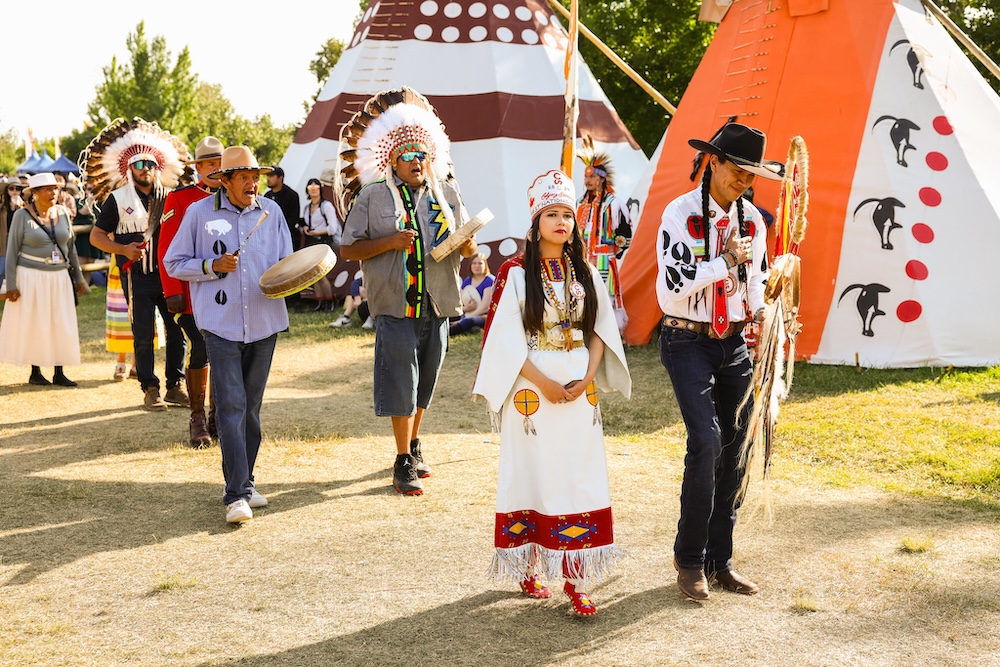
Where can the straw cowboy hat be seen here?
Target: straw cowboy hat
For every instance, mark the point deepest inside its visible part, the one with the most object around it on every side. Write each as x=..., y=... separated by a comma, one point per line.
x=208, y=148
x=744, y=146
x=40, y=181
x=236, y=158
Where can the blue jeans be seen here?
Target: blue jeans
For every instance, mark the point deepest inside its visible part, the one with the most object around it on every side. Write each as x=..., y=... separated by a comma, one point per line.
x=408, y=357
x=146, y=298
x=710, y=378
x=239, y=374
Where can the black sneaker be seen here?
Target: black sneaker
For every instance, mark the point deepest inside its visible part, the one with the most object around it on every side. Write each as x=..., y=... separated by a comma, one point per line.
x=423, y=470
x=404, y=476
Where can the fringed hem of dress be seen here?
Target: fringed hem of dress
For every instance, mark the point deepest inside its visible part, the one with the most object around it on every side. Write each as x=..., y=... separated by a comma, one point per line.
x=591, y=565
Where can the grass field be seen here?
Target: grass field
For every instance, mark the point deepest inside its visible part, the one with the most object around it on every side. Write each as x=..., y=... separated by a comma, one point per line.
x=114, y=550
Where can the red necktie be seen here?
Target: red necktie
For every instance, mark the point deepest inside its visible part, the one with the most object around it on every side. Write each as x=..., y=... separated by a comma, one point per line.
x=720, y=311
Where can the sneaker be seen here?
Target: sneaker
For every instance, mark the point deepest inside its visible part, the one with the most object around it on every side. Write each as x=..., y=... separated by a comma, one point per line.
x=423, y=470
x=121, y=370
x=257, y=500
x=238, y=512
x=152, y=400
x=581, y=602
x=369, y=324
x=132, y=374
x=404, y=476
x=341, y=321
x=176, y=396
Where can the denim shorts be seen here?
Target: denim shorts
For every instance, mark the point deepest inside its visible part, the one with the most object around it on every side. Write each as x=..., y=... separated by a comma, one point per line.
x=408, y=357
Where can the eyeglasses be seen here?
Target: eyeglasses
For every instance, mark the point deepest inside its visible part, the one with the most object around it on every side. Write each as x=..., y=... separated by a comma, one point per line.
x=410, y=156
x=139, y=165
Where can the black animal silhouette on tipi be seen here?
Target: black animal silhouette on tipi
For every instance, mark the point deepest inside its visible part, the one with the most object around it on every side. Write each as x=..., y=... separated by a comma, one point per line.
x=883, y=217
x=867, y=304
x=913, y=60
x=899, y=133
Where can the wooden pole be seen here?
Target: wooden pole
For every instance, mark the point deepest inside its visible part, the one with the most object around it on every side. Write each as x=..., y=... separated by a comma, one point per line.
x=622, y=65
x=963, y=38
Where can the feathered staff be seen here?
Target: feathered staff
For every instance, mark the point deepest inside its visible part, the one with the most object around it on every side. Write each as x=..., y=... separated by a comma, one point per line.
x=772, y=380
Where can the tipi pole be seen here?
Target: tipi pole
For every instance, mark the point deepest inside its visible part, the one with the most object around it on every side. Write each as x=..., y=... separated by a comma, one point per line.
x=571, y=72
x=622, y=65
x=962, y=37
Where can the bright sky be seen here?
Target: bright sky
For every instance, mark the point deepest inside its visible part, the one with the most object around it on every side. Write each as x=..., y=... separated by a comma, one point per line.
x=72, y=40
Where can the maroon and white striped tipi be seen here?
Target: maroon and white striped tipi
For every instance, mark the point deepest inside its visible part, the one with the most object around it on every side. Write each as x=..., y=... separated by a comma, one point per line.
x=494, y=72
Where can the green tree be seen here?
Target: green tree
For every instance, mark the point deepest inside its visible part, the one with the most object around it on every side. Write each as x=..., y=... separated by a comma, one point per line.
x=152, y=86
x=661, y=39
x=11, y=151
x=326, y=58
x=979, y=20
x=156, y=87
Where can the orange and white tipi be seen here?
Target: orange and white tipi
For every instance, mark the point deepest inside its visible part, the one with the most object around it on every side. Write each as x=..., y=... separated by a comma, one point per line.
x=904, y=194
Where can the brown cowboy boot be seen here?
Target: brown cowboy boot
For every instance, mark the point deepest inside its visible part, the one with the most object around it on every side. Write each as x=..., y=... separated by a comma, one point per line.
x=197, y=379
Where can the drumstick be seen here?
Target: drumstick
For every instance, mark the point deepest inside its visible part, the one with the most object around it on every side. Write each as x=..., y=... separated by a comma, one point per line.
x=262, y=216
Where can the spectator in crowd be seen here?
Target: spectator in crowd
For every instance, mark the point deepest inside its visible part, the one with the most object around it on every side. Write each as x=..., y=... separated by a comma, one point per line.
x=477, y=290
x=39, y=322
x=10, y=201
x=321, y=227
x=357, y=302
x=288, y=200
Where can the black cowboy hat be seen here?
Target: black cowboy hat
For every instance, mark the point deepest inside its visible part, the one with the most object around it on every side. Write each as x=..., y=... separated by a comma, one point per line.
x=744, y=146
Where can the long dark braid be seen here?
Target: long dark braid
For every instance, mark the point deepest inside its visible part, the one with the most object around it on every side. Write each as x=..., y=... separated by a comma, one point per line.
x=534, y=295
x=705, y=181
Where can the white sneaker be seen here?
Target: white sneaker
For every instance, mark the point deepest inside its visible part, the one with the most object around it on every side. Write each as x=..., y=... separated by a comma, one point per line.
x=369, y=324
x=341, y=321
x=238, y=512
x=257, y=500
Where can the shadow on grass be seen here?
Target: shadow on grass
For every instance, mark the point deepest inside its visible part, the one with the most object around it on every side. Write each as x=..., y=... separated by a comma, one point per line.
x=61, y=521
x=490, y=628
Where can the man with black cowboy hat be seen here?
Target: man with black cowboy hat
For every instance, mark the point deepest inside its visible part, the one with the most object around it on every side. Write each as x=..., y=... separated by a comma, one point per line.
x=224, y=244
x=207, y=159
x=711, y=273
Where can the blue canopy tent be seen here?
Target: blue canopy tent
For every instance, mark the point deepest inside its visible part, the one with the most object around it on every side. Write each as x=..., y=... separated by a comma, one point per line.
x=64, y=164
x=45, y=163
x=36, y=163
x=27, y=166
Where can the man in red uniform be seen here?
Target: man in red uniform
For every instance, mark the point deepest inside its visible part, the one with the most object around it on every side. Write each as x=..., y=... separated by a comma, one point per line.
x=207, y=159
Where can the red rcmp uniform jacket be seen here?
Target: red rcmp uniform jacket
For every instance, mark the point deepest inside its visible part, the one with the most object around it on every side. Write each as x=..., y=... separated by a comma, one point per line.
x=174, y=208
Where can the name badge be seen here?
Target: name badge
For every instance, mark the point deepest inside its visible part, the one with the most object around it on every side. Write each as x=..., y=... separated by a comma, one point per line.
x=56, y=257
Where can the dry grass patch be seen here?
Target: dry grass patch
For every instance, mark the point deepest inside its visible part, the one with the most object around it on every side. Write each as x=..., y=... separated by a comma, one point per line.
x=113, y=547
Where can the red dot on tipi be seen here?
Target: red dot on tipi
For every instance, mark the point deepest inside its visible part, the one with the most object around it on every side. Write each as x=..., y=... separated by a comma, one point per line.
x=942, y=125
x=916, y=270
x=930, y=196
x=908, y=311
x=937, y=161
x=922, y=233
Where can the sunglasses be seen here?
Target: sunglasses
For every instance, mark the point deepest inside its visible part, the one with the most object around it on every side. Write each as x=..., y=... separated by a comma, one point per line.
x=139, y=165
x=410, y=156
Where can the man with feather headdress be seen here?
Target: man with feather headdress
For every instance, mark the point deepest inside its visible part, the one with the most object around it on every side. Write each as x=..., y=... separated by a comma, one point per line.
x=604, y=221
x=134, y=164
x=399, y=201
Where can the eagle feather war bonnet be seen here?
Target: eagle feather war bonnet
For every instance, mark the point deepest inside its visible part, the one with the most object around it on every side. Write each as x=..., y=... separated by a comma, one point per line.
x=391, y=123
x=106, y=159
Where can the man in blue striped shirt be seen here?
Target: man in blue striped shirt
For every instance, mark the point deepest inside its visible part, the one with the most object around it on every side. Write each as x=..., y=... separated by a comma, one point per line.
x=240, y=324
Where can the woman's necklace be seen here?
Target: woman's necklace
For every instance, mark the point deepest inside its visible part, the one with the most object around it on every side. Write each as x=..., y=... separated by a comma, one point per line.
x=556, y=270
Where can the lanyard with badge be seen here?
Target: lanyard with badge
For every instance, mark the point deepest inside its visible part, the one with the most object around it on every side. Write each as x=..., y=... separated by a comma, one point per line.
x=57, y=253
